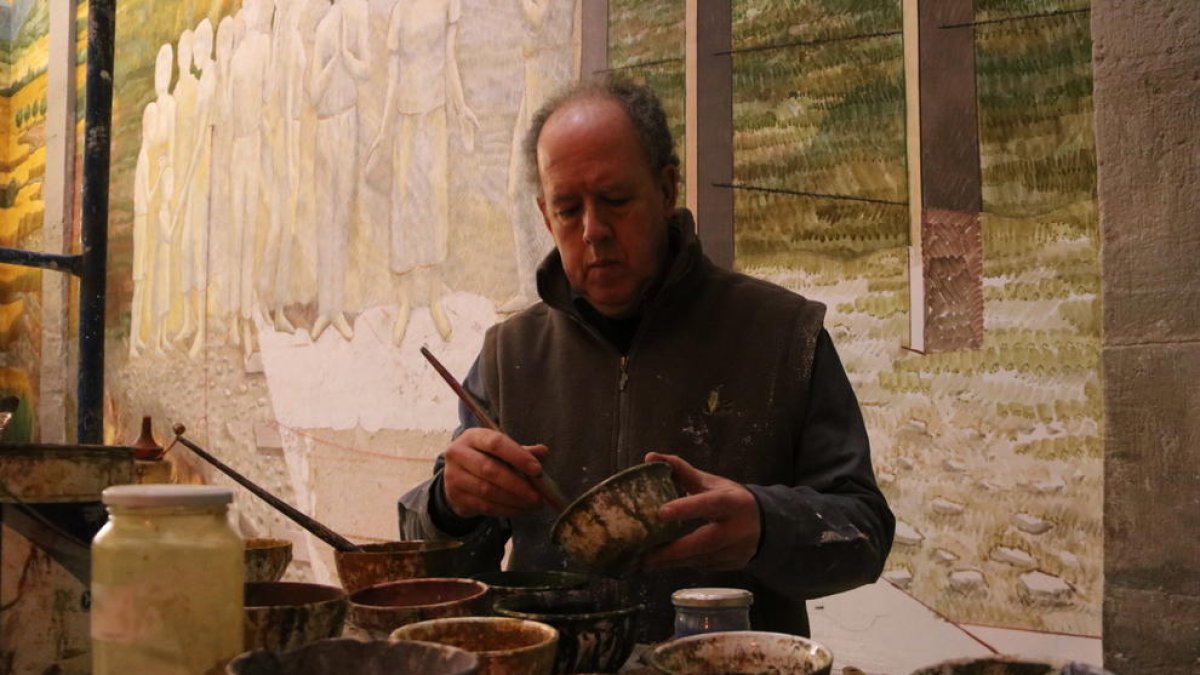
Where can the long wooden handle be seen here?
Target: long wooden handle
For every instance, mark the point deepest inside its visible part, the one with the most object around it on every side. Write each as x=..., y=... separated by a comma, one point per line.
x=307, y=522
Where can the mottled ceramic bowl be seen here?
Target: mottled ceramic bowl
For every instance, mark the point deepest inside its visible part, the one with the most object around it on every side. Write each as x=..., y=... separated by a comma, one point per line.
x=396, y=560
x=267, y=559
x=282, y=615
x=510, y=582
x=504, y=646
x=360, y=658
x=378, y=610
x=612, y=527
x=597, y=626
x=1008, y=665
x=741, y=652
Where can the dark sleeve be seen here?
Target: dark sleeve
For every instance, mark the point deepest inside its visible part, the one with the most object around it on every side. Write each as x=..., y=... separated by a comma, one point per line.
x=832, y=530
x=424, y=511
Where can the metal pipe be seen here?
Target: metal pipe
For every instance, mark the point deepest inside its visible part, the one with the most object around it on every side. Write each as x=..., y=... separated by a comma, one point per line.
x=93, y=278
x=49, y=261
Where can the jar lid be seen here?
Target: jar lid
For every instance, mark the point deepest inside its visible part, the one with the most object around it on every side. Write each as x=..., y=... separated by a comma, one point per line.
x=712, y=597
x=166, y=495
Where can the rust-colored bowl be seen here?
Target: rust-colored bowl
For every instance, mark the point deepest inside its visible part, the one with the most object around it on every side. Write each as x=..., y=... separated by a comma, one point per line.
x=396, y=560
x=504, y=646
x=360, y=658
x=378, y=610
x=742, y=652
x=597, y=626
x=283, y=615
x=612, y=527
x=267, y=559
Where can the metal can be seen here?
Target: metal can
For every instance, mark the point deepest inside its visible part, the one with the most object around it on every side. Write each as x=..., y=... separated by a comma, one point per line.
x=709, y=610
x=167, y=575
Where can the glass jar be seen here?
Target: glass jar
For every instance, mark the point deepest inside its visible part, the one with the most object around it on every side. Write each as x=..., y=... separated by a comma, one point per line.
x=167, y=576
x=709, y=610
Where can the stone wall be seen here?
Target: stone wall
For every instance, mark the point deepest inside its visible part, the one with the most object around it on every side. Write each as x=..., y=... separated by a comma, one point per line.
x=1147, y=96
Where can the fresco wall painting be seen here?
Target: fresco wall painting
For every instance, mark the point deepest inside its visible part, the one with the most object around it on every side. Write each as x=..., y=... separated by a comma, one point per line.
x=991, y=457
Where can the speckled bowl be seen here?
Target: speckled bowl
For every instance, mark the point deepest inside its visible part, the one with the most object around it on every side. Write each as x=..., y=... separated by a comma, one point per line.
x=267, y=559
x=1008, y=665
x=611, y=528
x=741, y=652
x=504, y=646
x=510, y=582
x=396, y=560
x=597, y=626
x=360, y=658
x=378, y=610
x=282, y=615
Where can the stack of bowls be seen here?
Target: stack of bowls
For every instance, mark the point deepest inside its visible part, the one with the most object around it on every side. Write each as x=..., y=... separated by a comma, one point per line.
x=504, y=646
x=281, y=615
x=359, y=658
x=266, y=559
x=597, y=626
x=378, y=610
x=392, y=561
x=510, y=582
x=741, y=652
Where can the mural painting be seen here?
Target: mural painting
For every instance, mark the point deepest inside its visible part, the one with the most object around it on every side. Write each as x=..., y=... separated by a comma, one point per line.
x=23, y=50
x=991, y=457
x=304, y=193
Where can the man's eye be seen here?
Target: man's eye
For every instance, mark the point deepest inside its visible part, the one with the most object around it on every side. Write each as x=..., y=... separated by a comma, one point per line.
x=567, y=213
x=616, y=201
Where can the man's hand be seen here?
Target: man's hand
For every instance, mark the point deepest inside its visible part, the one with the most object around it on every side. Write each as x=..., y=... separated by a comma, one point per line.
x=485, y=474
x=730, y=537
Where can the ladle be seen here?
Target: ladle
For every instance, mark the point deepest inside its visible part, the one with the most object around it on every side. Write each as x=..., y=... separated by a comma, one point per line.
x=542, y=482
x=307, y=522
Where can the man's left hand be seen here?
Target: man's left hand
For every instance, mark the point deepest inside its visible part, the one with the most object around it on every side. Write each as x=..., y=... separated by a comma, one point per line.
x=730, y=537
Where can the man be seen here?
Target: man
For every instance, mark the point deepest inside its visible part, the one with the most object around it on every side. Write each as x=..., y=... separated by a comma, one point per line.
x=642, y=347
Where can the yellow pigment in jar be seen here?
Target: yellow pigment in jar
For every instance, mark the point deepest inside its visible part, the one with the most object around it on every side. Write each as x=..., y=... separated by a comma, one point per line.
x=166, y=582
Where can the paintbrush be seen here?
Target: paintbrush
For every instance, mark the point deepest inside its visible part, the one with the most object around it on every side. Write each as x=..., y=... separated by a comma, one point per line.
x=542, y=483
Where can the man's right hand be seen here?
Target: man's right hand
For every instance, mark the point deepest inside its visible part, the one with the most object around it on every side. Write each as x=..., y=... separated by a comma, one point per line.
x=485, y=471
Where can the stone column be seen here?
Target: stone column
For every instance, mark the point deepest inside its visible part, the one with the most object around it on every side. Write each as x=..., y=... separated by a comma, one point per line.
x=1147, y=99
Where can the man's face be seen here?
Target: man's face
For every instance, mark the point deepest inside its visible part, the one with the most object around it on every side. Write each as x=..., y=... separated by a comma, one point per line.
x=605, y=207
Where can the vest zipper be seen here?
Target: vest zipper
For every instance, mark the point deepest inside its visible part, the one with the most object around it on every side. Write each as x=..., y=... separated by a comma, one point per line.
x=622, y=380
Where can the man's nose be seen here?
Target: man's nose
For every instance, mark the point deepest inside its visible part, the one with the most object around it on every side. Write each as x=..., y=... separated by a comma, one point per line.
x=595, y=227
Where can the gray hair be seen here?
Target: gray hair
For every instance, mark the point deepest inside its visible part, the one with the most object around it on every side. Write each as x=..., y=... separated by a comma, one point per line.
x=641, y=106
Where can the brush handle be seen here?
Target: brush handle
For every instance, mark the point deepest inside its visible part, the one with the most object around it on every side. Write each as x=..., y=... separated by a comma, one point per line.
x=543, y=484
x=320, y=531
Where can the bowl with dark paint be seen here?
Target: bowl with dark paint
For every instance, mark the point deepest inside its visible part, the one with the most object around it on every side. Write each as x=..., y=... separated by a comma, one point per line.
x=339, y=656
x=378, y=610
x=396, y=560
x=597, y=625
x=610, y=529
x=737, y=652
x=266, y=559
x=504, y=646
x=513, y=582
x=283, y=615
x=1009, y=665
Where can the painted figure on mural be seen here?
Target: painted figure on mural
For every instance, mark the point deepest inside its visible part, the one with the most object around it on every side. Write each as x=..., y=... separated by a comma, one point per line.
x=341, y=60
x=281, y=161
x=248, y=82
x=194, y=212
x=531, y=241
x=187, y=93
x=424, y=94
x=221, y=246
x=161, y=150
x=143, y=194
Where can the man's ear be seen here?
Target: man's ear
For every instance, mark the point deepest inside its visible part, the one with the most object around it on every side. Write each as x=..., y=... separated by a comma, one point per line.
x=541, y=202
x=669, y=184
